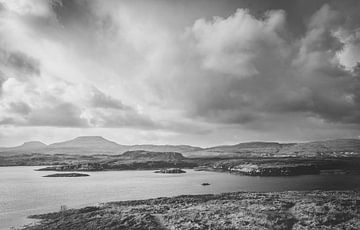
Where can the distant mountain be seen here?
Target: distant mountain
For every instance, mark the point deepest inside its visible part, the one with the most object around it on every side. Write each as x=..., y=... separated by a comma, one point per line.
x=338, y=147
x=90, y=145
x=86, y=145
x=246, y=149
x=250, y=147
x=86, y=141
x=332, y=148
x=27, y=147
x=99, y=145
x=165, y=148
x=32, y=145
x=158, y=156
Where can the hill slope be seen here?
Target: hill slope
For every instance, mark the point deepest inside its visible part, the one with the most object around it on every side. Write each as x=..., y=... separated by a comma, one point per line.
x=90, y=145
x=27, y=147
x=338, y=147
x=157, y=156
x=248, y=149
x=86, y=145
x=328, y=148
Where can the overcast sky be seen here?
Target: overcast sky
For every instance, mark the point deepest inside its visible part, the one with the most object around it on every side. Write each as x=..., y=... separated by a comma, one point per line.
x=199, y=72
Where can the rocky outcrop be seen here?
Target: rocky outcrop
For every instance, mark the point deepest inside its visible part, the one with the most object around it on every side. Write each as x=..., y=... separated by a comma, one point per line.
x=275, y=170
x=75, y=167
x=242, y=210
x=170, y=170
x=264, y=168
x=120, y=165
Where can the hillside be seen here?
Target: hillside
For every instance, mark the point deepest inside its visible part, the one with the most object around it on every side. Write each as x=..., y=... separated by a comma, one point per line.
x=27, y=147
x=339, y=147
x=165, y=148
x=33, y=145
x=156, y=156
x=86, y=141
x=248, y=149
x=90, y=145
x=86, y=145
x=328, y=148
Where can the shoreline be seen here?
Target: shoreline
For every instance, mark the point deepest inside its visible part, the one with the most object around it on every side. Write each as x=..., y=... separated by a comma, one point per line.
x=282, y=210
x=264, y=166
x=251, y=184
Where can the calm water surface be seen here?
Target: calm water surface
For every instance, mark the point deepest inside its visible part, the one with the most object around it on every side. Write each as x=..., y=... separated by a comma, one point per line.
x=24, y=191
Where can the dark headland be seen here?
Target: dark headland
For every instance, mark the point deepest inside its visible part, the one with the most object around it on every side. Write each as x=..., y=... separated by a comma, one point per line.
x=67, y=175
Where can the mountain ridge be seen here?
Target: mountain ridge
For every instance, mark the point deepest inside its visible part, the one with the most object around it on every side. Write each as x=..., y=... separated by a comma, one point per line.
x=85, y=140
x=90, y=145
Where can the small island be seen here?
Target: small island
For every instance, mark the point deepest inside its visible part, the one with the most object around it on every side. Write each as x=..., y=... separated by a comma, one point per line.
x=67, y=175
x=170, y=170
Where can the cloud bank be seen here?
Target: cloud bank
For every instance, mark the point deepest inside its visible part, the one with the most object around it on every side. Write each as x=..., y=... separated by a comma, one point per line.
x=110, y=67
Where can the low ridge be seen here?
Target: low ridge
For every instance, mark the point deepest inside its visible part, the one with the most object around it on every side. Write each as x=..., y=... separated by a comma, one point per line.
x=142, y=155
x=90, y=145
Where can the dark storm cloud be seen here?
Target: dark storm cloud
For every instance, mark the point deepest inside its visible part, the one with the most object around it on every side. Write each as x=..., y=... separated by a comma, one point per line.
x=84, y=20
x=19, y=108
x=298, y=11
x=112, y=113
x=19, y=62
x=2, y=80
x=128, y=118
x=60, y=115
x=251, y=69
x=101, y=100
x=7, y=121
x=356, y=70
x=73, y=11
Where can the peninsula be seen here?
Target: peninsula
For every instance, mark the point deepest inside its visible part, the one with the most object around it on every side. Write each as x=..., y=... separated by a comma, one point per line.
x=67, y=175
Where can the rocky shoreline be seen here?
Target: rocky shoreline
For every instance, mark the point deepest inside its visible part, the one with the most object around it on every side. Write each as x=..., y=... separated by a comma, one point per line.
x=240, y=210
x=248, y=167
x=131, y=165
x=171, y=171
x=275, y=170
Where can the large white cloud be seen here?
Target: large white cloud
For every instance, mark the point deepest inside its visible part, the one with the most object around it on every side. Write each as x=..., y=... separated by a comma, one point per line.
x=96, y=64
x=232, y=45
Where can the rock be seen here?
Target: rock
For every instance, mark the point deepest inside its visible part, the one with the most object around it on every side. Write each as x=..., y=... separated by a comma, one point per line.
x=170, y=170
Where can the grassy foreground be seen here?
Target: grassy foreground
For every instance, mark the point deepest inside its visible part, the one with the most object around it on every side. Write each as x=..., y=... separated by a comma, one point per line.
x=241, y=210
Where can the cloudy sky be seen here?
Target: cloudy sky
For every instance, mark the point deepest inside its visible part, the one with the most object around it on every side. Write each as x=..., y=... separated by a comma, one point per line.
x=199, y=72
